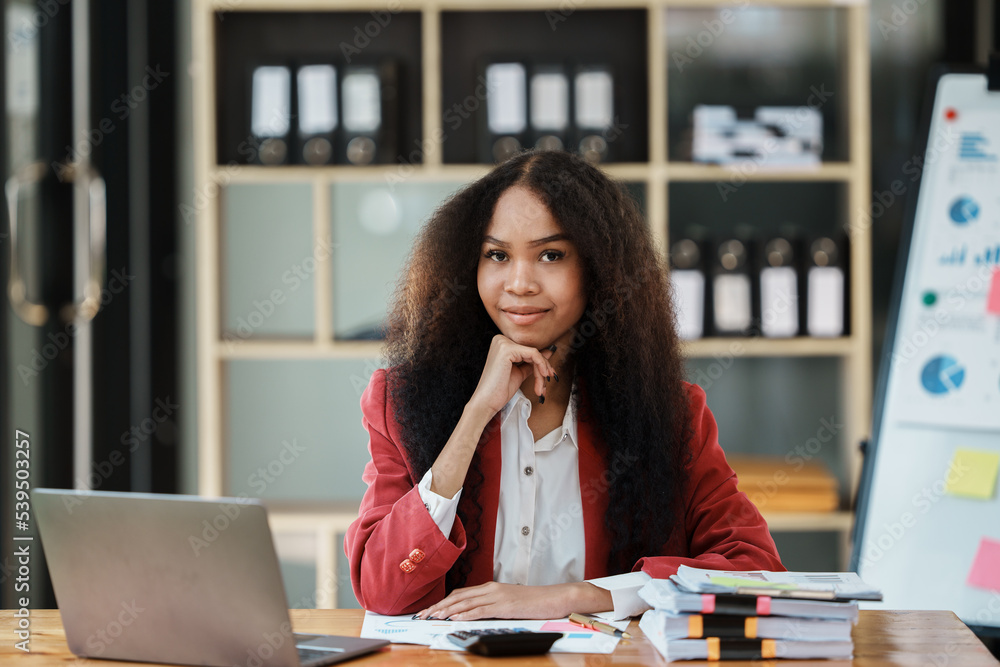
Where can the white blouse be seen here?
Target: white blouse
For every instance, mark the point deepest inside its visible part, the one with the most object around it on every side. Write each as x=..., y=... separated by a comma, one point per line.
x=539, y=529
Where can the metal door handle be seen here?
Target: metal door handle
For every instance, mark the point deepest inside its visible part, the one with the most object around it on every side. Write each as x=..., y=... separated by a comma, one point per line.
x=83, y=310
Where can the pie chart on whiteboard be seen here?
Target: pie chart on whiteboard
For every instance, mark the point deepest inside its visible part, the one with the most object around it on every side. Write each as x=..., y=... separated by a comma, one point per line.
x=942, y=375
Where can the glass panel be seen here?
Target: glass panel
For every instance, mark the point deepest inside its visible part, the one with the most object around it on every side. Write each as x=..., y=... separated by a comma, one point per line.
x=269, y=259
x=373, y=229
x=295, y=428
x=297, y=559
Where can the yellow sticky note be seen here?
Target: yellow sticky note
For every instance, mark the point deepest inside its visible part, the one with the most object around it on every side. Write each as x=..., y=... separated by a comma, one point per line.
x=973, y=474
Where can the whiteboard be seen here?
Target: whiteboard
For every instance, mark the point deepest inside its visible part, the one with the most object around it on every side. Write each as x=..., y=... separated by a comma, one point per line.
x=929, y=517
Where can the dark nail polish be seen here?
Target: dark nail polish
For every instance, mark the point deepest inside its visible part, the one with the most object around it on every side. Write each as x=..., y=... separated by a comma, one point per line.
x=552, y=347
x=557, y=376
x=448, y=619
x=541, y=399
x=415, y=617
x=548, y=379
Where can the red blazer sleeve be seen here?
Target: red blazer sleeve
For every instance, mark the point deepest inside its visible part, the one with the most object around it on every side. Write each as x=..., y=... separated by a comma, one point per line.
x=392, y=522
x=723, y=529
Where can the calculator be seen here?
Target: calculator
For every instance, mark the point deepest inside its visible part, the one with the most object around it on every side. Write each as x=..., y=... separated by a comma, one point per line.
x=504, y=641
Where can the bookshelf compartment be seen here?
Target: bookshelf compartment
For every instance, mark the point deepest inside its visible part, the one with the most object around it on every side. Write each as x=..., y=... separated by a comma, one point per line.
x=268, y=264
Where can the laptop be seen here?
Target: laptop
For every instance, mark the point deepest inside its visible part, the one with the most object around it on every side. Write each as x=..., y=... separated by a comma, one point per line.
x=174, y=579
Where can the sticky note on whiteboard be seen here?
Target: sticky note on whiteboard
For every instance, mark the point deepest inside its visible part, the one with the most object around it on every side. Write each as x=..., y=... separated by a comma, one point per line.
x=985, y=572
x=993, y=298
x=973, y=474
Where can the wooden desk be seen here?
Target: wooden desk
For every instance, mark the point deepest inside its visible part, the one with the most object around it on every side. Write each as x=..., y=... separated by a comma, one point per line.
x=882, y=639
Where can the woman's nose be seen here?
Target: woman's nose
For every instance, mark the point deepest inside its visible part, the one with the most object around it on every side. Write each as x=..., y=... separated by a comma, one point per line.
x=521, y=279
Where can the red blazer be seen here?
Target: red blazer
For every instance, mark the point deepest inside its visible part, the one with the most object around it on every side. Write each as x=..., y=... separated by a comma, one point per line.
x=722, y=528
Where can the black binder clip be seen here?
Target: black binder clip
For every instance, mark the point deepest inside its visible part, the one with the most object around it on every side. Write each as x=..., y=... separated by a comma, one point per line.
x=993, y=72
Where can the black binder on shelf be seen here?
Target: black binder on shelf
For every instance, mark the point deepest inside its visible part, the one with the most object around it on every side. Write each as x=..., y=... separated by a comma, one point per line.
x=594, y=112
x=689, y=271
x=271, y=113
x=780, y=286
x=550, y=107
x=369, y=113
x=826, y=287
x=735, y=288
x=317, y=97
x=504, y=125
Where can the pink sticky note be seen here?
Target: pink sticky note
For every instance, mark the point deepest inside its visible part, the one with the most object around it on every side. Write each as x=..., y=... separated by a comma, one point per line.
x=993, y=298
x=562, y=626
x=985, y=572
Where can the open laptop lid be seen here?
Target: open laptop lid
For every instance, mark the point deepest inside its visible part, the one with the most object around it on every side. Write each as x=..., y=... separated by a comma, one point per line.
x=176, y=579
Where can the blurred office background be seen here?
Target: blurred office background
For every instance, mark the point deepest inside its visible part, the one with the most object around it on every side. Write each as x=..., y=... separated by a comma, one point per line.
x=301, y=260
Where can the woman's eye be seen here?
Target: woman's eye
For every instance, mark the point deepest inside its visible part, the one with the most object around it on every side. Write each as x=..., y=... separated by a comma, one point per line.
x=551, y=255
x=496, y=255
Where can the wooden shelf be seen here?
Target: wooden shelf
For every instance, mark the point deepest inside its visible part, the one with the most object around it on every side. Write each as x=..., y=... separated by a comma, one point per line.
x=389, y=174
x=694, y=172
x=498, y=5
x=770, y=347
x=305, y=349
x=803, y=522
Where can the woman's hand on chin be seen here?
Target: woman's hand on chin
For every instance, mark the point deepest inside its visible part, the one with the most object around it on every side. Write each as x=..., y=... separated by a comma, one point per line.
x=495, y=600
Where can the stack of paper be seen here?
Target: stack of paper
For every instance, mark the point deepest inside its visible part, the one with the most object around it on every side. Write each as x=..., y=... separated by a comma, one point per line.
x=719, y=615
x=774, y=485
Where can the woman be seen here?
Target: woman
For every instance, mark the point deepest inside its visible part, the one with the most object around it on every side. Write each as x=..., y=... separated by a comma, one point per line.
x=533, y=430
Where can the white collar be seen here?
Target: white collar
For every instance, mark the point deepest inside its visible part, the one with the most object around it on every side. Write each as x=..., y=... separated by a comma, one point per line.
x=568, y=429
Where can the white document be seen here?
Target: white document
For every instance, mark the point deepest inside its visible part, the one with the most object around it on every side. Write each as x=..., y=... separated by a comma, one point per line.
x=362, y=93
x=404, y=630
x=826, y=301
x=731, y=300
x=689, y=299
x=549, y=101
x=779, y=301
x=271, y=105
x=317, y=99
x=505, y=98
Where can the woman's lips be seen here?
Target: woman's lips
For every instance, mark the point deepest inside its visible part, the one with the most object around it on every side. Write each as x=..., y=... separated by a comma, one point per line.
x=524, y=319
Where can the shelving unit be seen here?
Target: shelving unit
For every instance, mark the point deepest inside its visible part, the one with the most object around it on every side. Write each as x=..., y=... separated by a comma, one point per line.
x=656, y=176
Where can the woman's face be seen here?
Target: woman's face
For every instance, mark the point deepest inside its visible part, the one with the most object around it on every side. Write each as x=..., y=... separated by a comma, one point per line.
x=530, y=276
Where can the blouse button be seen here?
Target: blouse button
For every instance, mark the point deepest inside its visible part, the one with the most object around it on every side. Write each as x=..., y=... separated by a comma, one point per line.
x=529, y=470
x=525, y=530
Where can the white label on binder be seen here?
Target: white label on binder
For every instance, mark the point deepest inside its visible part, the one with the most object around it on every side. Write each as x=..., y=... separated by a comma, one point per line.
x=779, y=301
x=689, y=300
x=317, y=99
x=270, y=111
x=594, y=95
x=505, y=98
x=826, y=301
x=731, y=297
x=362, y=101
x=549, y=101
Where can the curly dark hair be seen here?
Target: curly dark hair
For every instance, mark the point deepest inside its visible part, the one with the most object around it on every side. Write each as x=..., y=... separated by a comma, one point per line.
x=625, y=346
